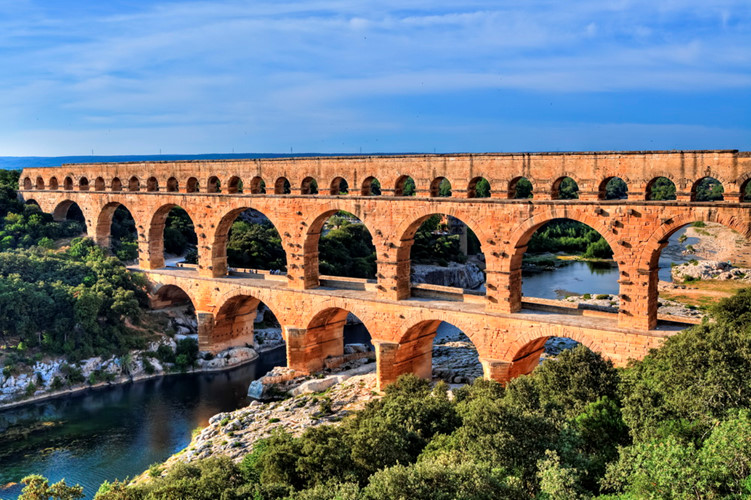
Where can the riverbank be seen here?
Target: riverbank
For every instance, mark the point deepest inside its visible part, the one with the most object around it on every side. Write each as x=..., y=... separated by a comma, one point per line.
x=231, y=358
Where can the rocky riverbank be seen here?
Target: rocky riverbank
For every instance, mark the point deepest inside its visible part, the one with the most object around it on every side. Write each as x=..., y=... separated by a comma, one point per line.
x=468, y=276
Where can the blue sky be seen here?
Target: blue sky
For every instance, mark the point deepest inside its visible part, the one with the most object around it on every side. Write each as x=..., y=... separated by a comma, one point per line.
x=274, y=76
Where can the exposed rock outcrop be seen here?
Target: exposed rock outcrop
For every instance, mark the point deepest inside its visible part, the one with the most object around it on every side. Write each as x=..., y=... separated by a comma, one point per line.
x=467, y=275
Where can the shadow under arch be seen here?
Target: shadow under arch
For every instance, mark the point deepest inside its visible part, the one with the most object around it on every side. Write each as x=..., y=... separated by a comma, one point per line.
x=171, y=295
x=103, y=230
x=157, y=225
x=529, y=348
x=221, y=235
x=68, y=210
x=323, y=339
x=414, y=352
x=312, y=241
x=406, y=237
x=478, y=187
x=520, y=188
x=234, y=324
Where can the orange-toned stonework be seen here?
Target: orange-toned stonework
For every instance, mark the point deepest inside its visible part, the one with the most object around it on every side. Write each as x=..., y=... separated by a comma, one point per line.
x=401, y=318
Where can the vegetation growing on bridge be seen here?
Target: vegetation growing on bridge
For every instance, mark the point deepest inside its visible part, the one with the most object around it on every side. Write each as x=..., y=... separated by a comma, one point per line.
x=675, y=425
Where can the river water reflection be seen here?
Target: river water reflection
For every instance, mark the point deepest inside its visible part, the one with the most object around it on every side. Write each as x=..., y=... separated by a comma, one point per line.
x=594, y=277
x=117, y=431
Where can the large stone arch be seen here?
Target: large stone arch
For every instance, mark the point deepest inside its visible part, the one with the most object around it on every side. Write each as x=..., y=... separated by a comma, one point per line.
x=322, y=337
x=218, y=257
x=413, y=350
x=509, y=276
x=404, y=234
x=165, y=294
x=155, y=257
x=103, y=228
x=314, y=225
x=234, y=318
x=525, y=351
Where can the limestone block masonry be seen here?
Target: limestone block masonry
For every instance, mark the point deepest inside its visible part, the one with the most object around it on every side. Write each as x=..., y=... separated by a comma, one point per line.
x=508, y=337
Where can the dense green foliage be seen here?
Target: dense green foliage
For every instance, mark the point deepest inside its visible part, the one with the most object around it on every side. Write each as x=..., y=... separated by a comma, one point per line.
x=676, y=425
x=709, y=189
x=662, y=189
x=616, y=189
x=71, y=302
x=570, y=237
x=346, y=249
x=568, y=190
x=255, y=246
x=24, y=226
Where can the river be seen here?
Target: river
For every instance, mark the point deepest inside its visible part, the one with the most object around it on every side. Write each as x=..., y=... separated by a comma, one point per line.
x=578, y=278
x=118, y=431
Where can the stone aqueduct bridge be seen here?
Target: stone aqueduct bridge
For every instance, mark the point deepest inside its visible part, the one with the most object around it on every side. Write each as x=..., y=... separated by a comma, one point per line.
x=402, y=319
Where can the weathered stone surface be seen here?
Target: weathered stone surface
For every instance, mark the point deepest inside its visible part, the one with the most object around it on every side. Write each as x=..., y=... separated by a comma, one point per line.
x=508, y=341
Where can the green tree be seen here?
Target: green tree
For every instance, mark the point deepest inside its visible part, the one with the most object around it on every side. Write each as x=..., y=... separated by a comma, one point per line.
x=38, y=488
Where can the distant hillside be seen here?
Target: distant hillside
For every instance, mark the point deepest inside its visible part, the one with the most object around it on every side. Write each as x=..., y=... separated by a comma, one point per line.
x=19, y=162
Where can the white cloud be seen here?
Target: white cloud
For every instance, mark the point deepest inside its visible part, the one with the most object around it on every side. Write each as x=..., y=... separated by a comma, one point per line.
x=292, y=63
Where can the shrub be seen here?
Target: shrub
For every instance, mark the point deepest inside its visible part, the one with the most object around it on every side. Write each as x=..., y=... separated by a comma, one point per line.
x=602, y=296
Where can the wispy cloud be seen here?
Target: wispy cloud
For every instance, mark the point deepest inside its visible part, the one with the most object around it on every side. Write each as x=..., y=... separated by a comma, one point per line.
x=293, y=65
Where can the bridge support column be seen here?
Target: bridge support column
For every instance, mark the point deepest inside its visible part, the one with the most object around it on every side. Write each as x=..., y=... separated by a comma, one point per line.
x=386, y=369
x=394, y=280
x=307, y=349
x=638, y=298
x=495, y=369
x=504, y=291
x=205, y=330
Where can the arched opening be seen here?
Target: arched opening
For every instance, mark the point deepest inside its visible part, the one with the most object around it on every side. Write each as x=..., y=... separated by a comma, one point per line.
x=429, y=349
x=83, y=184
x=339, y=187
x=440, y=187
x=152, y=184
x=695, y=272
x=192, y=185
x=613, y=188
x=257, y=185
x=446, y=252
x=660, y=189
x=172, y=185
x=116, y=228
x=68, y=184
x=53, y=183
x=117, y=185
x=479, y=187
x=565, y=188
x=746, y=191
x=27, y=183
x=282, y=186
x=520, y=188
x=309, y=186
x=538, y=351
x=172, y=235
x=99, y=184
x=245, y=321
x=345, y=246
x=334, y=339
x=707, y=189
x=234, y=185
x=405, y=186
x=213, y=186
x=32, y=203
x=371, y=187
x=569, y=261
x=69, y=211
x=134, y=184
x=249, y=242
x=177, y=310
x=40, y=183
